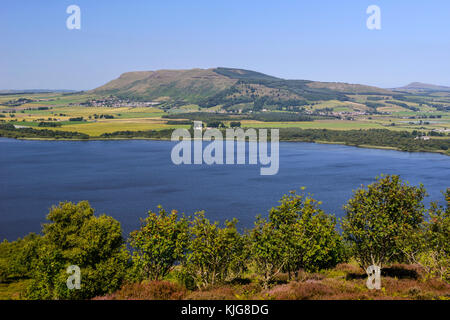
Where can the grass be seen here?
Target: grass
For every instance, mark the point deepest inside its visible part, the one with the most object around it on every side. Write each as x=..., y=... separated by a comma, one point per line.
x=137, y=115
x=339, y=106
x=97, y=128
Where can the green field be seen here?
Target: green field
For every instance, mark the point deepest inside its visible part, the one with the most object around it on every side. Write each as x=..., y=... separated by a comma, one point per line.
x=96, y=129
x=359, y=112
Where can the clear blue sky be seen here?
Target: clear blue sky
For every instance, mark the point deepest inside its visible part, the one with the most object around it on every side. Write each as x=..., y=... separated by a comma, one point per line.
x=325, y=40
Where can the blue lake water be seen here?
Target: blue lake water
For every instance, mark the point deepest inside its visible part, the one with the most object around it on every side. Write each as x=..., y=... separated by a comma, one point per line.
x=125, y=179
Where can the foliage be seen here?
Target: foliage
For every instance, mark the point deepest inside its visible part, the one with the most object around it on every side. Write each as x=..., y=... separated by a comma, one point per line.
x=402, y=140
x=150, y=134
x=214, y=253
x=429, y=246
x=75, y=236
x=297, y=235
x=259, y=116
x=266, y=250
x=384, y=223
x=9, y=131
x=147, y=290
x=215, y=124
x=159, y=244
x=378, y=220
x=49, y=124
x=309, y=232
x=17, y=258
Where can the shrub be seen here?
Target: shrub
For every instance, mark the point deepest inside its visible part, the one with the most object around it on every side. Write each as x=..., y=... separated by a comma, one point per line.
x=219, y=293
x=147, y=290
x=213, y=252
x=159, y=243
x=266, y=250
x=429, y=246
x=17, y=258
x=76, y=237
x=298, y=235
x=301, y=291
x=378, y=220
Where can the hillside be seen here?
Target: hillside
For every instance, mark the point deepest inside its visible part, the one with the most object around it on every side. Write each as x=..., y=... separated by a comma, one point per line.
x=227, y=87
x=418, y=86
x=189, y=85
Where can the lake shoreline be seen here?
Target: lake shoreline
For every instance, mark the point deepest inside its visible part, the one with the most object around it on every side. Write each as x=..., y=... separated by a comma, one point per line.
x=192, y=139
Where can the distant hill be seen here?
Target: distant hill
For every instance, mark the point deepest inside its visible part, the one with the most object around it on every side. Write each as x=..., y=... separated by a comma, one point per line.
x=227, y=87
x=418, y=86
x=29, y=91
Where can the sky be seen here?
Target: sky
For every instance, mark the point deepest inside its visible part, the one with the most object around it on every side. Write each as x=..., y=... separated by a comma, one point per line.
x=322, y=40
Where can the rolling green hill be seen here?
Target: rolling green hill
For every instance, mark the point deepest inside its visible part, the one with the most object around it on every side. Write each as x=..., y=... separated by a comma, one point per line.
x=227, y=87
x=188, y=85
x=422, y=87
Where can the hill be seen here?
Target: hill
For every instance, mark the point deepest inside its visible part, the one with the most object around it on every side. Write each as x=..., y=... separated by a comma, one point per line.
x=31, y=91
x=227, y=87
x=418, y=86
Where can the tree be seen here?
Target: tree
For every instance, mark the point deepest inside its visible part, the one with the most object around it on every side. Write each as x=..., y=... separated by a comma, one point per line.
x=378, y=220
x=213, y=252
x=429, y=245
x=215, y=124
x=316, y=242
x=17, y=258
x=159, y=243
x=298, y=235
x=266, y=250
x=76, y=237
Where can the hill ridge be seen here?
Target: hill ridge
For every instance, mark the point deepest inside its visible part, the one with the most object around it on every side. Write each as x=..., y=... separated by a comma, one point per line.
x=227, y=87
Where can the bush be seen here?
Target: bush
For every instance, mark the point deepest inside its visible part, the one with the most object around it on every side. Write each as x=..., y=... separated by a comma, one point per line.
x=378, y=220
x=429, y=246
x=266, y=251
x=301, y=291
x=159, y=244
x=220, y=293
x=76, y=237
x=298, y=235
x=147, y=290
x=17, y=258
x=214, y=253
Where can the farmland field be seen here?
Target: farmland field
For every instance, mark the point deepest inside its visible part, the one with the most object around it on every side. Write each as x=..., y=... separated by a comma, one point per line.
x=75, y=112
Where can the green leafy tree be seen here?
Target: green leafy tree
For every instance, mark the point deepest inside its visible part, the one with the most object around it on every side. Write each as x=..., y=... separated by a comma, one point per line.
x=17, y=258
x=429, y=245
x=298, y=235
x=159, y=244
x=378, y=220
x=266, y=250
x=76, y=237
x=213, y=251
x=316, y=243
